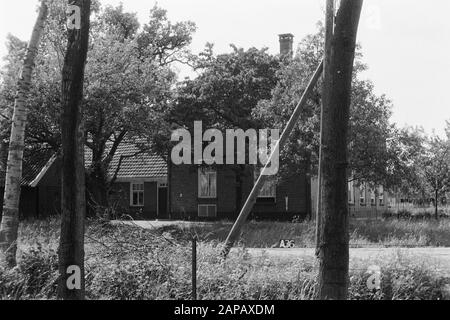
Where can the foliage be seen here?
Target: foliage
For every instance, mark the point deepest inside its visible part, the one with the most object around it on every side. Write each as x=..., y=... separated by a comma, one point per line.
x=421, y=164
x=128, y=83
x=369, y=116
x=227, y=90
x=34, y=278
x=129, y=263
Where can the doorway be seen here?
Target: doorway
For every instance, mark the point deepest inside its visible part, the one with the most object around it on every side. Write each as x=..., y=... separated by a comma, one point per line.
x=162, y=201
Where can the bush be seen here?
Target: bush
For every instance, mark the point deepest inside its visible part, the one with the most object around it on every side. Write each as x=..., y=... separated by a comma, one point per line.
x=124, y=263
x=404, y=214
x=35, y=276
x=387, y=215
x=401, y=279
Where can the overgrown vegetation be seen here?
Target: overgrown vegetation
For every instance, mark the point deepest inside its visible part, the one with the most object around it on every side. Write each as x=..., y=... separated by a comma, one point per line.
x=124, y=262
x=363, y=233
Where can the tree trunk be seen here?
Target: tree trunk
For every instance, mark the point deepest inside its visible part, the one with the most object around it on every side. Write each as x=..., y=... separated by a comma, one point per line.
x=308, y=174
x=98, y=201
x=73, y=207
x=333, y=251
x=329, y=29
x=10, y=218
x=436, y=214
x=97, y=186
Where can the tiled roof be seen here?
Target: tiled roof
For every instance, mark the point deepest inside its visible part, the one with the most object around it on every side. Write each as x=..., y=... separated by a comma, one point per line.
x=135, y=164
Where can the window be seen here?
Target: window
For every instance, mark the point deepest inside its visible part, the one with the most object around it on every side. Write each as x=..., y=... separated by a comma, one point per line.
x=372, y=197
x=207, y=210
x=381, y=195
x=351, y=193
x=362, y=194
x=207, y=183
x=137, y=195
x=269, y=189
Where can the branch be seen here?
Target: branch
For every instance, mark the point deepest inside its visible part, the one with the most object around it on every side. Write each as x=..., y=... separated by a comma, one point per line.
x=116, y=172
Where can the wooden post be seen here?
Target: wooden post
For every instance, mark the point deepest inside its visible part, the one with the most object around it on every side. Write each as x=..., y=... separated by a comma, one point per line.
x=194, y=268
x=329, y=29
x=333, y=253
x=245, y=211
x=73, y=196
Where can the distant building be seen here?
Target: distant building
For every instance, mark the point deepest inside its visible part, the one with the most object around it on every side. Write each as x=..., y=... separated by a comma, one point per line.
x=363, y=201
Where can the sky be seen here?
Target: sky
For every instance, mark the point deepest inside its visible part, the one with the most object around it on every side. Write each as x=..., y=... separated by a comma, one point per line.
x=406, y=43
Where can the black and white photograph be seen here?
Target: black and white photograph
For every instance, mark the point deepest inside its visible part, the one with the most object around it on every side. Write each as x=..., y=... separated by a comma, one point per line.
x=221, y=159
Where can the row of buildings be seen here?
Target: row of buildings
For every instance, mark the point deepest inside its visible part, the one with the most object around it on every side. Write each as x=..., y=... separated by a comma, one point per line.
x=147, y=187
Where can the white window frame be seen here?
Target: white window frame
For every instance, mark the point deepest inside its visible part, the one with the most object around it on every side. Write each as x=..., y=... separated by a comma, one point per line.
x=132, y=191
x=208, y=172
x=362, y=195
x=373, y=198
x=270, y=180
x=351, y=194
x=381, y=196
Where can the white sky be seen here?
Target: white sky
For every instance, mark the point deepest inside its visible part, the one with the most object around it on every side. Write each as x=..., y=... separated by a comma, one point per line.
x=406, y=43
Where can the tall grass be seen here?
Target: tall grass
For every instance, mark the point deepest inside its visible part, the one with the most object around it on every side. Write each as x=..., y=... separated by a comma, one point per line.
x=363, y=233
x=124, y=263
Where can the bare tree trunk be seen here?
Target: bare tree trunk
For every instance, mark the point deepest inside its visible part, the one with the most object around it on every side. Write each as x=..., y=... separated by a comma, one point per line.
x=333, y=252
x=10, y=218
x=329, y=29
x=73, y=207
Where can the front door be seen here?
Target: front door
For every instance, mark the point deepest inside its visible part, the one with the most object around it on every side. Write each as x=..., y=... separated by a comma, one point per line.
x=162, y=202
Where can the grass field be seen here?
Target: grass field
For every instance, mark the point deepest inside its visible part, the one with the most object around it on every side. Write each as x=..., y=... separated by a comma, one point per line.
x=363, y=233
x=124, y=262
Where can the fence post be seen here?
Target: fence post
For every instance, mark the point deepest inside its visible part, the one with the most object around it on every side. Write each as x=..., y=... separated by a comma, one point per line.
x=194, y=268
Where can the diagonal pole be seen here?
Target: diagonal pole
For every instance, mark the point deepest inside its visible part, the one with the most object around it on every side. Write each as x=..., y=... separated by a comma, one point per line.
x=245, y=211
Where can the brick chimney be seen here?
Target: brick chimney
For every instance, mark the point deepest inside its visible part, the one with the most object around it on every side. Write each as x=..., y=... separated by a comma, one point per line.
x=286, y=44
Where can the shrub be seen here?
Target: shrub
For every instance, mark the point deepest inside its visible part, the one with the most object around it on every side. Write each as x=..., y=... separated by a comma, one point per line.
x=127, y=263
x=387, y=215
x=35, y=276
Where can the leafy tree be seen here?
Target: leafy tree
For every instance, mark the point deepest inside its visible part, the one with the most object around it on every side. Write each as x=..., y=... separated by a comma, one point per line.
x=406, y=146
x=436, y=168
x=225, y=94
x=369, y=126
x=227, y=90
x=10, y=213
x=420, y=166
x=128, y=84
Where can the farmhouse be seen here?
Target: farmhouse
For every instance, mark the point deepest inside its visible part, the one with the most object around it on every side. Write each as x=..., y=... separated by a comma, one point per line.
x=40, y=185
x=140, y=189
x=147, y=188
x=219, y=192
